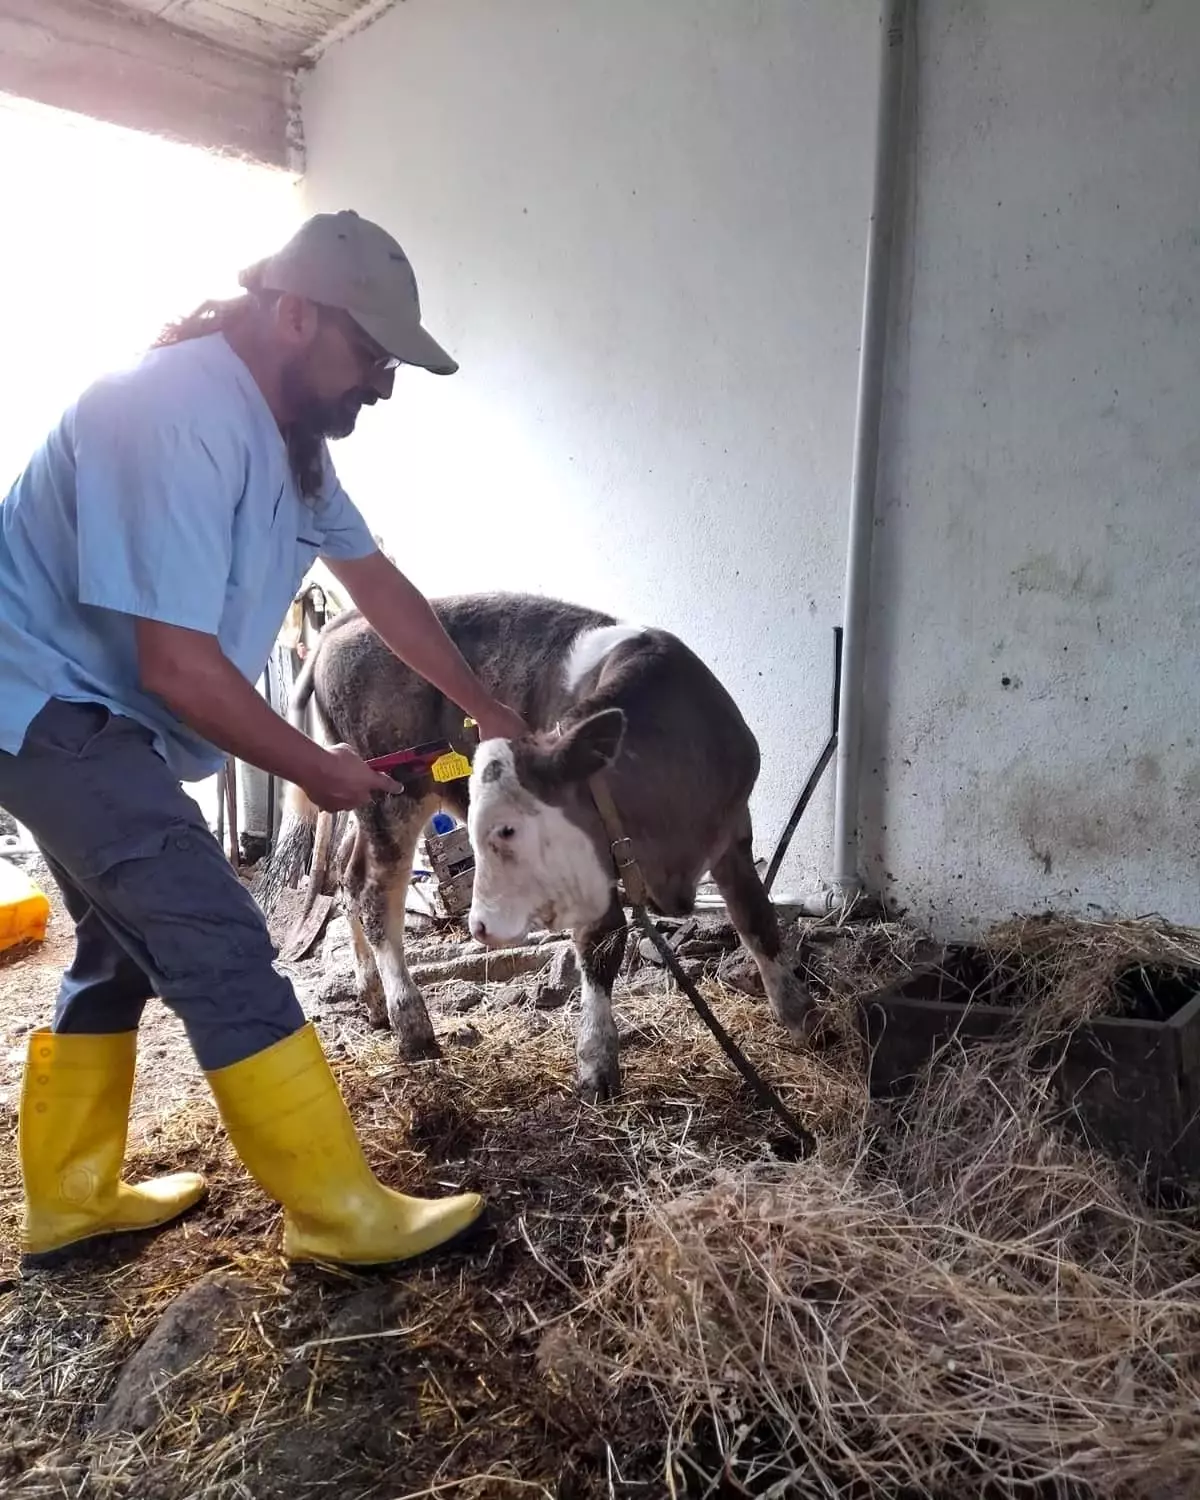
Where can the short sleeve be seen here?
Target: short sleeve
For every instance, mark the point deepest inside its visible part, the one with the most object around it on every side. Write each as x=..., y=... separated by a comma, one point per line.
x=155, y=510
x=346, y=534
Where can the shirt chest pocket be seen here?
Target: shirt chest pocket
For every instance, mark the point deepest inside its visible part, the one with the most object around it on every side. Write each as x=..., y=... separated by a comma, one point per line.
x=307, y=550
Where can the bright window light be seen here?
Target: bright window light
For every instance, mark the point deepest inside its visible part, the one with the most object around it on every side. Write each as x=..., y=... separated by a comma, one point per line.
x=108, y=234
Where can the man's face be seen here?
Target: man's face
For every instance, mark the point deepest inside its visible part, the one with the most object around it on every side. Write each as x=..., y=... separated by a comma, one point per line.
x=339, y=371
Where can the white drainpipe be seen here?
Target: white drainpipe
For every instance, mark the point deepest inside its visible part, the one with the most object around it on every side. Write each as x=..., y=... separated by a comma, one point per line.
x=846, y=882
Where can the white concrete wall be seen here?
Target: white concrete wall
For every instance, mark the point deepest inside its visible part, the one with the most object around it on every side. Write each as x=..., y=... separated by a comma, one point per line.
x=640, y=229
x=1037, y=594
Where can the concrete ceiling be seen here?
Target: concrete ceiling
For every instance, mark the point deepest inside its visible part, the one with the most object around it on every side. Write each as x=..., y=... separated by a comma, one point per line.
x=281, y=31
x=214, y=73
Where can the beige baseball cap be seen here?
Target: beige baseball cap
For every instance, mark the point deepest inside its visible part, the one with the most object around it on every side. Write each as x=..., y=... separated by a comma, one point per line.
x=343, y=260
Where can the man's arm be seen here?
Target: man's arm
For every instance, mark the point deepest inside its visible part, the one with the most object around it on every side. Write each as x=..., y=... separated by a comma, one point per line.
x=195, y=679
x=403, y=618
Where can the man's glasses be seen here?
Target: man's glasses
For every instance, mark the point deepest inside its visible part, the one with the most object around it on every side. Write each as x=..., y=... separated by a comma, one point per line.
x=375, y=358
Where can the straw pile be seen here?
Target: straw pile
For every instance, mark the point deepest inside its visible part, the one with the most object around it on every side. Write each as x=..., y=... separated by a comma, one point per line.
x=990, y=1305
x=952, y=1298
x=1068, y=969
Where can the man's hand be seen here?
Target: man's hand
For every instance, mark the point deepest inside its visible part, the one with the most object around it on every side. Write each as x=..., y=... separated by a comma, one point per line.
x=502, y=723
x=343, y=782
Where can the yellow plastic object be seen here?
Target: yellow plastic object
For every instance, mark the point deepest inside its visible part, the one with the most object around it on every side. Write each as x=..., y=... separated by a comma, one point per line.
x=73, y=1122
x=451, y=767
x=285, y=1116
x=24, y=910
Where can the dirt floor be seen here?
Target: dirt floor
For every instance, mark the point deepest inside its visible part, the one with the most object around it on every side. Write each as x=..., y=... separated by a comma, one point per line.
x=196, y=1365
x=423, y=1382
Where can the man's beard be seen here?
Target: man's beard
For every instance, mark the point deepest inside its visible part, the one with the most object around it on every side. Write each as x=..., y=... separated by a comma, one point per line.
x=316, y=420
x=323, y=418
x=335, y=419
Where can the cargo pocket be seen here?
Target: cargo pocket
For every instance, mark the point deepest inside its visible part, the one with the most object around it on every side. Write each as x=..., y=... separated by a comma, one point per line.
x=182, y=911
x=88, y=785
x=68, y=728
x=130, y=844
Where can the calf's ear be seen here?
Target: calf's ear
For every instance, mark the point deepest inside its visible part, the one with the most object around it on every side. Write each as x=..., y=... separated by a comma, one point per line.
x=589, y=746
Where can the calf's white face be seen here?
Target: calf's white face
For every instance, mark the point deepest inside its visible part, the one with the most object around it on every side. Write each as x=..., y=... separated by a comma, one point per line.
x=534, y=865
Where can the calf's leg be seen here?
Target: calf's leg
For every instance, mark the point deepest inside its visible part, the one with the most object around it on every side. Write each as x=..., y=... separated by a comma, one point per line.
x=751, y=912
x=600, y=949
x=389, y=832
x=366, y=975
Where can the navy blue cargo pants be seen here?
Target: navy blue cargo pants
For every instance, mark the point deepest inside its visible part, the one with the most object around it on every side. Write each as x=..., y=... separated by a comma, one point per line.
x=156, y=905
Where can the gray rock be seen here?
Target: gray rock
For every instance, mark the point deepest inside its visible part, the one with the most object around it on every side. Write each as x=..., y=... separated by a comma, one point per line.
x=338, y=987
x=561, y=982
x=649, y=954
x=740, y=972
x=186, y=1332
x=646, y=981
x=461, y=996
x=510, y=997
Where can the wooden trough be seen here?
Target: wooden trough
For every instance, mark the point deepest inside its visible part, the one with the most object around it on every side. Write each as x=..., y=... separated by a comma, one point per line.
x=1129, y=1081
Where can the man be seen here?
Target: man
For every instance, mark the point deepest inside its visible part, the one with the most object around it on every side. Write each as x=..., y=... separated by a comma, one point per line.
x=148, y=556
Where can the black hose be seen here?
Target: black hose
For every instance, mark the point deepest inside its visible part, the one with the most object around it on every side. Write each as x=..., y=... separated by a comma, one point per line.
x=814, y=776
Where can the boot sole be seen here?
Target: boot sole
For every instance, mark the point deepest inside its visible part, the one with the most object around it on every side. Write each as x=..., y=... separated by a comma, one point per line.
x=92, y=1246
x=459, y=1241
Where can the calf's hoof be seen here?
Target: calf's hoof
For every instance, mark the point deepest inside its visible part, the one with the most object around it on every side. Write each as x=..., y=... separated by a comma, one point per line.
x=414, y=1032
x=372, y=1000
x=795, y=1009
x=599, y=1085
x=822, y=1030
x=419, y=1049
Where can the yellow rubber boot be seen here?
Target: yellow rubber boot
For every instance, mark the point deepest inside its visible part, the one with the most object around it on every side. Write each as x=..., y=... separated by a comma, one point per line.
x=74, y=1121
x=288, y=1123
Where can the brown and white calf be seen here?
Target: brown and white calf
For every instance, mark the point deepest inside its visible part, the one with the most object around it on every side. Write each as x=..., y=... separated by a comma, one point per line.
x=678, y=757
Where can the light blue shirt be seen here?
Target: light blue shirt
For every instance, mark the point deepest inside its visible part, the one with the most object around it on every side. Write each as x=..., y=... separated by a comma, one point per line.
x=164, y=493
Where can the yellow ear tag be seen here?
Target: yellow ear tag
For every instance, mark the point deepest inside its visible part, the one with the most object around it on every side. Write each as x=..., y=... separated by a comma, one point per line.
x=450, y=767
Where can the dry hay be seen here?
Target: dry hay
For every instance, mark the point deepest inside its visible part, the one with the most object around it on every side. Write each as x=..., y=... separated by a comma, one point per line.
x=1068, y=969
x=977, y=1300
x=959, y=1296
x=950, y=1295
